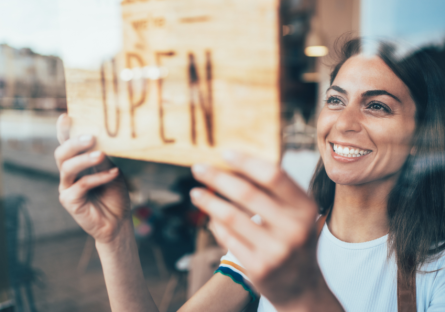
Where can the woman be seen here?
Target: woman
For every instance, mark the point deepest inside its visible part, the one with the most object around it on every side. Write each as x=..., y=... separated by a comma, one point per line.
x=380, y=183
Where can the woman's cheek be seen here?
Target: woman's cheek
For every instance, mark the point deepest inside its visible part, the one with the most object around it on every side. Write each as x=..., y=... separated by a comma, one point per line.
x=321, y=125
x=325, y=123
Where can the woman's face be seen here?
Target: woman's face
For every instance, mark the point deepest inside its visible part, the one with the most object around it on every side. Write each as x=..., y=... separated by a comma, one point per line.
x=365, y=129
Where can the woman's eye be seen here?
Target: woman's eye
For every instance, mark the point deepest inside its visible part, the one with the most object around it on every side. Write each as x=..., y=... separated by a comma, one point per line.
x=334, y=101
x=379, y=107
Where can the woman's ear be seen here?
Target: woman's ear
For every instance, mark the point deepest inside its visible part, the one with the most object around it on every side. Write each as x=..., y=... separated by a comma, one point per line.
x=413, y=151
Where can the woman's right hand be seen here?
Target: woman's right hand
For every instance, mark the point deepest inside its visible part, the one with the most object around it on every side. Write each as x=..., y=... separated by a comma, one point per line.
x=98, y=201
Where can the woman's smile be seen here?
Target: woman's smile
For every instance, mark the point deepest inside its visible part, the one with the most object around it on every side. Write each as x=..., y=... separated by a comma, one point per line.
x=347, y=152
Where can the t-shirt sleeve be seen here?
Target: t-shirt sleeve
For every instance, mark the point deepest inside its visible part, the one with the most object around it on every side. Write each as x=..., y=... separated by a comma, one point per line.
x=231, y=267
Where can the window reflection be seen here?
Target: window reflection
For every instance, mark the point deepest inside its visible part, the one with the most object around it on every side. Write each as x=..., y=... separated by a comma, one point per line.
x=53, y=264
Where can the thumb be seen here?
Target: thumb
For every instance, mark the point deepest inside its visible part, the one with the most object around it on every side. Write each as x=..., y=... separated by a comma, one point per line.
x=63, y=128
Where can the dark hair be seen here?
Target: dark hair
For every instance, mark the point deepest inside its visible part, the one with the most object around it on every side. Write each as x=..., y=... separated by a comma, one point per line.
x=416, y=204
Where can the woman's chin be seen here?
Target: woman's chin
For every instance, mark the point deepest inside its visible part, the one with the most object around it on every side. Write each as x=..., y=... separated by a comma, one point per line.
x=345, y=178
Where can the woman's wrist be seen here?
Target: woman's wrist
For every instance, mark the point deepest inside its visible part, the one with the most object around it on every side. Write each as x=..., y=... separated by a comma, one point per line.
x=123, y=274
x=319, y=298
x=121, y=240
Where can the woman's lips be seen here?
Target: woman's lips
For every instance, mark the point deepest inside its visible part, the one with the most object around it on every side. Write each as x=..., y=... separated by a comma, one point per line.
x=348, y=150
x=346, y=159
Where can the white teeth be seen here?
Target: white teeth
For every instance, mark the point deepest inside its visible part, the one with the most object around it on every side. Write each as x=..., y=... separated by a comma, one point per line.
x=349, y=151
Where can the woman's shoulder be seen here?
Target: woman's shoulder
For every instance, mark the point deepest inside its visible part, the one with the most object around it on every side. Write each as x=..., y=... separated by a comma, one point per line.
x=435, y=262
x=432, y=273
x=431, y=283
x=431, y=270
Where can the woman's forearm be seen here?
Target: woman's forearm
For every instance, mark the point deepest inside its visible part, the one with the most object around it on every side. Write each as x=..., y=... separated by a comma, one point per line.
x=127, y=289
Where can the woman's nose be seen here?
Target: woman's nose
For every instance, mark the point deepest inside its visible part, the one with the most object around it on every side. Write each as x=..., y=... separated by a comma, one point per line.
x=349, y=119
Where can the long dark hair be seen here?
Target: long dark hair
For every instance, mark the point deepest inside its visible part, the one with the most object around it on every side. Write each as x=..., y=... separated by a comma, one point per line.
x=416, y=204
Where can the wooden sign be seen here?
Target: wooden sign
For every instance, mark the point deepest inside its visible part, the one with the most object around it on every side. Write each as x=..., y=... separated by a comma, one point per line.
x=195, y=78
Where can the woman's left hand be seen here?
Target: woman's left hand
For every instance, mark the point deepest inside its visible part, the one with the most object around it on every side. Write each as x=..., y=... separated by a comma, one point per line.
x=279, y=255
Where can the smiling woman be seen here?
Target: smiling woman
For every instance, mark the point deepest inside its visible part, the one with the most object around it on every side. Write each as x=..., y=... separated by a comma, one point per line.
x=379, y=185
x=391, y=108
x=382, y=246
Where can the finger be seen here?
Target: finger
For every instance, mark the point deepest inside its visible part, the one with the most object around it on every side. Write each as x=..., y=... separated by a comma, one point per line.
x=63, y=128
x=77, y=192
x=73, y=147
x=229, y=241
x=71, y=168
x=225, y=213
x=105, y=165
x=240, y=191
x=267, y=175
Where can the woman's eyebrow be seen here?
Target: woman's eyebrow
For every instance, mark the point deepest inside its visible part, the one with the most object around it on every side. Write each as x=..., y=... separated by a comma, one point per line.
x=379, y=92
x=338, y=89
x=368, y=93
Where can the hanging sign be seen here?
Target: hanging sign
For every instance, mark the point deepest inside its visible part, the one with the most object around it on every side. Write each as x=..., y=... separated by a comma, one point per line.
x=194, y=78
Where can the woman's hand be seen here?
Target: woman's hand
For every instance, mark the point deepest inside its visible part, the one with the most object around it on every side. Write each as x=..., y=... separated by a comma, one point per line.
x=279, y=255
x=91, y=189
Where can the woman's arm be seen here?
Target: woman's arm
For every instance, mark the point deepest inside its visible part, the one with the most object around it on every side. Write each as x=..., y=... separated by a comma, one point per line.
x=278, y=254
x=100, y=204
x=128, y=290
x=126, y=286
x=219, y=294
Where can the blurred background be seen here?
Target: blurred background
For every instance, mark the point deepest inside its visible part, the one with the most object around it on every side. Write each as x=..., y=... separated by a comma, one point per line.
x=47, y=263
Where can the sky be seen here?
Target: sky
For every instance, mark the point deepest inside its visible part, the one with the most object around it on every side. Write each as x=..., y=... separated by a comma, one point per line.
x=86, y=32
x=82, y=32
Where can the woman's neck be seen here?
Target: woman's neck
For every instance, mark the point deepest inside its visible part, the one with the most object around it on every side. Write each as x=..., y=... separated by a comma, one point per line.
x=360, y=213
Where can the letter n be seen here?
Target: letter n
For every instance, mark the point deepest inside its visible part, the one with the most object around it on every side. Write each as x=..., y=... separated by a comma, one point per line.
x=206, y=103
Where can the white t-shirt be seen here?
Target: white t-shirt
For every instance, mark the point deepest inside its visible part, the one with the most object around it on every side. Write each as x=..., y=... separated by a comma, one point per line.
x=364, y=279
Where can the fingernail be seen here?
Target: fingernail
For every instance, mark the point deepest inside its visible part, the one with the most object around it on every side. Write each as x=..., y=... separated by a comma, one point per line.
x=86, y=138
x=113, y=170
x=199, y=168
x=62, y=116
x=196, y=194
x=231, y=156
x=95, y=154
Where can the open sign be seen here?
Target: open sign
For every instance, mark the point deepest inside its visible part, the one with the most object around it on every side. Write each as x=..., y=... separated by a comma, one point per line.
x=194, y=78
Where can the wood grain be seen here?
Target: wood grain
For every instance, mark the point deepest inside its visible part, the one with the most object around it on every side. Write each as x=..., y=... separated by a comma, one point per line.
x=205, y=77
